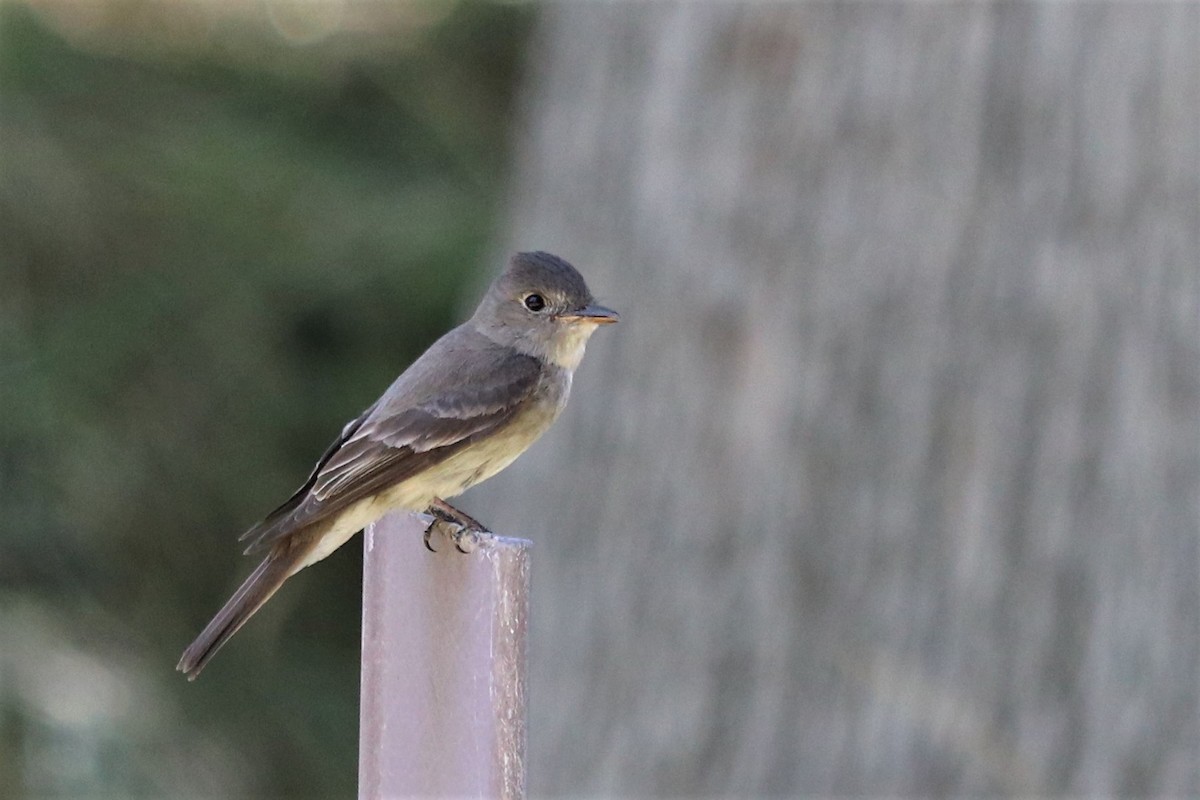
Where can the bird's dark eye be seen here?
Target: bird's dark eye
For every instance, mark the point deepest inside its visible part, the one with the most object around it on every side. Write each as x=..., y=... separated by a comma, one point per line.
x=534, y=302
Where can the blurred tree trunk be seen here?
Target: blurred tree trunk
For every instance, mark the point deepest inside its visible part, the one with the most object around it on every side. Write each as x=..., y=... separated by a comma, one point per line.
x=888, y=481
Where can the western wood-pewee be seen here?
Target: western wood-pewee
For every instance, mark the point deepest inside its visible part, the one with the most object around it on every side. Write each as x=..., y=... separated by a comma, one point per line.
x=463, y=411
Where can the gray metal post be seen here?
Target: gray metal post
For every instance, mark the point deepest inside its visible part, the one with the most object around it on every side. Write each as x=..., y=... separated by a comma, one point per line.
x=443, y=665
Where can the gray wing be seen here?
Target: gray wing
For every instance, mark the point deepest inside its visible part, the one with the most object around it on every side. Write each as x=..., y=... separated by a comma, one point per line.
x=425, y=417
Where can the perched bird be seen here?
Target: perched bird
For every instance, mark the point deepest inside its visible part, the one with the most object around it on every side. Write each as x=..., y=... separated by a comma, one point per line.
x=463, y=411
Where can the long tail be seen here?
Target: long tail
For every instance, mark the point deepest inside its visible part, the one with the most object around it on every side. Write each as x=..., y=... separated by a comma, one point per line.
x=256, y=590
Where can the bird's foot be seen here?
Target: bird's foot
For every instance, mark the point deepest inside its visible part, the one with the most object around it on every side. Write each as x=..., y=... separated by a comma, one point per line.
x=465, y=539
x=464, y=531
x=428, y=537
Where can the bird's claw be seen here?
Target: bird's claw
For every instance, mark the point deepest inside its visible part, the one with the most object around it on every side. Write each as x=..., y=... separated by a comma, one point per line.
x=466, y=539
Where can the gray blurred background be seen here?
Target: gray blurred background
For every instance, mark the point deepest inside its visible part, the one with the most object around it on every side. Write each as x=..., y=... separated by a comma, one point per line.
x=887, y=484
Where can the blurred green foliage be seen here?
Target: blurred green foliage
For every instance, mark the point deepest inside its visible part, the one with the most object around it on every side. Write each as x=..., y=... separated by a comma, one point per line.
x=210, y=257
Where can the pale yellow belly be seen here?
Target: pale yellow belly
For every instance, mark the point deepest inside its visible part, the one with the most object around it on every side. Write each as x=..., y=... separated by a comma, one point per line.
x=449, y=479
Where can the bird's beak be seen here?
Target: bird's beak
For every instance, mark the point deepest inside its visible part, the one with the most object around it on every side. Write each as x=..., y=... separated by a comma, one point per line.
x=595, y=314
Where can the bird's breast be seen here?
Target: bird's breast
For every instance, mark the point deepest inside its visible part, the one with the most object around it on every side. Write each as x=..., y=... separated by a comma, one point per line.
x=478, y=461
x=484, y=458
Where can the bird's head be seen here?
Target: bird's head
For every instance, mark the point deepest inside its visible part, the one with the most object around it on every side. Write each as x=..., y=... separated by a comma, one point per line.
x=541, y=306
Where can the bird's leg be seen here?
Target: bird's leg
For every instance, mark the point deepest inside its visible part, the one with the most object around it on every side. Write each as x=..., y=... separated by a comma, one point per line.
x=466, y=531
x=448, y=513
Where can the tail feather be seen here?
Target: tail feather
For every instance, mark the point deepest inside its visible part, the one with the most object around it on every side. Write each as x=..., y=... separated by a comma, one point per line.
x=249, y=598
